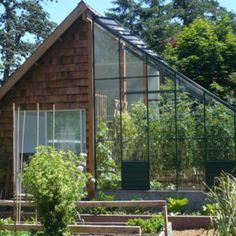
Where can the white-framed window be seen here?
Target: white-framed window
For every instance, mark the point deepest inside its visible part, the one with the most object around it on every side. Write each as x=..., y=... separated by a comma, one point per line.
x=64, y=129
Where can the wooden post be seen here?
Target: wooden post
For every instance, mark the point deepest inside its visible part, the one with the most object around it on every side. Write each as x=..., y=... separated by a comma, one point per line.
x=53, y=124
x=165, y=220
x=18, y=164
x=90, y=113
x=14, y=160
x=21, y=162
x=37, y=127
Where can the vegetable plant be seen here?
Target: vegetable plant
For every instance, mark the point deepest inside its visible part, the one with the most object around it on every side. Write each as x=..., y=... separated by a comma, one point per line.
x=176, y=204
x=152, y=225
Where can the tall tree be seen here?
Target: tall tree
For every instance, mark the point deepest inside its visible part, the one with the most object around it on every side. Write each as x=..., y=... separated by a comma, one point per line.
x=188, y=10
x=128, y=13
x=206, y=52
x=158, y=27
x=150, y=19
x=23, y=25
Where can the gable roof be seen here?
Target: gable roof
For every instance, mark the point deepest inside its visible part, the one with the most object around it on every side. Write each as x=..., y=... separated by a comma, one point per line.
x=42, y=49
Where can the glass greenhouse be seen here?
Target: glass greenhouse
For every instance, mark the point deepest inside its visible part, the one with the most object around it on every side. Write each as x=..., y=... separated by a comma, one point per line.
x=154, y=127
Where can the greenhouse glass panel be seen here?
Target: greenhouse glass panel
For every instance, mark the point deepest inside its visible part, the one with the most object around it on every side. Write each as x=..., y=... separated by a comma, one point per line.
x=220, y=131
x=190, y=137
x=107, y=99
x=162, y=144
x=134, y=78
x=106, y=54
x=134, y=129
x=107, y=110
x=153, y=82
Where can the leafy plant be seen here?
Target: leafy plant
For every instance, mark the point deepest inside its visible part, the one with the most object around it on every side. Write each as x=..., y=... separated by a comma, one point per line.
x=156, y=185
x=176, y=204
x=56, y=180
x=108, y=172
x=99, y=210
x=152, y=225
x=209, y=209
x=10, y=233
x=224, y=215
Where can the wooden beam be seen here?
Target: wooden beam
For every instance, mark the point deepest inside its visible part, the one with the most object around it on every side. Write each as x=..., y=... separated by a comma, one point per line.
x=92, y=229
x=142, y=203
x=90, y=115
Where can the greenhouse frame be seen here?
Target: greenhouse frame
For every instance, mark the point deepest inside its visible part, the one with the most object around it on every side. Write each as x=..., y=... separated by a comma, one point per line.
x=160, y=127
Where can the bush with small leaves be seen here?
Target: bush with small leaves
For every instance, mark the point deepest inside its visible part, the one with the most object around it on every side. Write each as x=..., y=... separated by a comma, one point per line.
x=56, y=180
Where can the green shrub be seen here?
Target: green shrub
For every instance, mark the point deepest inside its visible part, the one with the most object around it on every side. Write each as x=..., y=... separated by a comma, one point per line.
x=176, y=204
x=56, y=180
x=152, y=225
x=224, y=194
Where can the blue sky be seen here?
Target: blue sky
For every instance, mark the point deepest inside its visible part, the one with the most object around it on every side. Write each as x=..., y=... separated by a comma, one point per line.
x=58, y=11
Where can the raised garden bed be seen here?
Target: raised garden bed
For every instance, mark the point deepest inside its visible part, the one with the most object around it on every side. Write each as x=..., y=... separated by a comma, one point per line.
x=167, y=231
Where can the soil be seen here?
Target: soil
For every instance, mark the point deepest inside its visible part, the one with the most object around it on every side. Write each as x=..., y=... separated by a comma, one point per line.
x=198, y=232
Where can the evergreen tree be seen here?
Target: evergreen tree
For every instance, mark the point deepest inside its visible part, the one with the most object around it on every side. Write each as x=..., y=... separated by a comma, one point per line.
x=127, y=12
x=23, y=25
x=188, y=10
x=158, y=26
x=150, y=19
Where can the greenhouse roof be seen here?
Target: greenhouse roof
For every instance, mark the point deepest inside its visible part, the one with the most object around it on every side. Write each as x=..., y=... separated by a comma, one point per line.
x=124, y=34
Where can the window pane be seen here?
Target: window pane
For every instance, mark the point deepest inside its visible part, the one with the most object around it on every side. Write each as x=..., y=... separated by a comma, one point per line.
x=28, y=131
x=68, y=130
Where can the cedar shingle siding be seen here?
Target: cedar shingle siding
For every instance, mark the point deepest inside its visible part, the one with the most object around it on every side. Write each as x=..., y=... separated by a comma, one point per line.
x=60, y=77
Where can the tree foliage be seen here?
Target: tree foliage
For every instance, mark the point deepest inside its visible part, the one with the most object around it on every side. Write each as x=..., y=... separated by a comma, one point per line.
x=150, y=19
x=206, y=52
x=197, y=37
x=23, y=25
x=188, y=10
